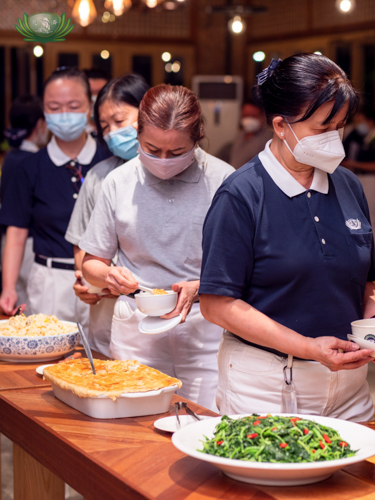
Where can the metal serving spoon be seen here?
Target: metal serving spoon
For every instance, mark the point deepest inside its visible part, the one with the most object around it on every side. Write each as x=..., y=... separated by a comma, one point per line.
x=87, y=348
x=146, y=289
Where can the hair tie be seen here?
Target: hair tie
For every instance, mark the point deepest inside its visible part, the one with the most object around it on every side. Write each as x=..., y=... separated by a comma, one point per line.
x=267, y=72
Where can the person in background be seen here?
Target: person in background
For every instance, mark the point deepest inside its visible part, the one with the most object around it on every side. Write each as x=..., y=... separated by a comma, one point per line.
x=288, y=256
x=151, y=212
x=116, y=110
x=250, y=139
x=97, y=79
x=44, y=201
x=360, y=148
x=26, y=135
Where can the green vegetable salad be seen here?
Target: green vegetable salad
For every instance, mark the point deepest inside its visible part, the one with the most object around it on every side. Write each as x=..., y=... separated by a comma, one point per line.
x=276, y=439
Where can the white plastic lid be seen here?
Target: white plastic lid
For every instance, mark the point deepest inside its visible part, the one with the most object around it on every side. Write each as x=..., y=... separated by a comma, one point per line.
x=152, y=325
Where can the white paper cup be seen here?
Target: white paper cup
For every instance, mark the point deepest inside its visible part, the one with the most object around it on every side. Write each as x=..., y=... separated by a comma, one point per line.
x=364, y=329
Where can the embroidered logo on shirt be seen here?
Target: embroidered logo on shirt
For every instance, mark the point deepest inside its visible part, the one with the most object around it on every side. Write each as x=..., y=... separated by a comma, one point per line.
x=353, y=223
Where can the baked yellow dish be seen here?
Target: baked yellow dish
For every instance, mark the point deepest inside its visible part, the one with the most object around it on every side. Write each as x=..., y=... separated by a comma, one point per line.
x=112, y=378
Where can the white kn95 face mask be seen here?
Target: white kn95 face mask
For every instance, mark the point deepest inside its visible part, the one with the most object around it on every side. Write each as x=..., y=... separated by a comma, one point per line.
x=324, y=151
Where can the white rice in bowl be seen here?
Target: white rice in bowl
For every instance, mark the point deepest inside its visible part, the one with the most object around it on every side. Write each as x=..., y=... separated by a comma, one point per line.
x=36, y=325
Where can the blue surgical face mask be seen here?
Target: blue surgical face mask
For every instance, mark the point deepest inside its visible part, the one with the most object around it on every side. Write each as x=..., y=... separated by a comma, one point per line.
x=66, y=126
x=123, y=142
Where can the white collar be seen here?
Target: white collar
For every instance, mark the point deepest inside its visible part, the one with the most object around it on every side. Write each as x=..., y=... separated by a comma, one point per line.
x=84, y=157
x=28, y=146
x=285, y=181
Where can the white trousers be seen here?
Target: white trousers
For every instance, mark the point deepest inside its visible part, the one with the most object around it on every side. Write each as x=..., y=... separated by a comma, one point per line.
x=28, y=259
x=187, y=352
x=251, y=381
x=51, y=291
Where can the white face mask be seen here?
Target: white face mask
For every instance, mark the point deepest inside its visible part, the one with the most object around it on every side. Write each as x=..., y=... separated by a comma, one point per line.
x=324, y=151
x=165, y=168
x=251, y=124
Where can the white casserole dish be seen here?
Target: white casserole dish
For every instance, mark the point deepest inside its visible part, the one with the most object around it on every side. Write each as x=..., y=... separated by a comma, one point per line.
x=136, y=404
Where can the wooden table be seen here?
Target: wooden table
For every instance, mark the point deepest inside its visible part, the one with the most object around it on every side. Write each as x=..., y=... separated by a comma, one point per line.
x=130, y=459
x=16, y=376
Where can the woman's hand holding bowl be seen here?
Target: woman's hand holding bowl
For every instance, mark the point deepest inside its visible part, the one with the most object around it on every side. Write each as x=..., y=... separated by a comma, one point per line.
x=187, y=295
x=81, y=291
x=120, y=281
x=326, y=351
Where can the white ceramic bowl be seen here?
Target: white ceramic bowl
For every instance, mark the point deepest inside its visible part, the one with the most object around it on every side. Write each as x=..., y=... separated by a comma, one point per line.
x=36, y=349
x=156, y=305
x=189, y=440
x=363, y=344
x=364, y=328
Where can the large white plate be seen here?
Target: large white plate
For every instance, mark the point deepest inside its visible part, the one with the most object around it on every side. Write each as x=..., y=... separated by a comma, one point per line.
x=189, y=440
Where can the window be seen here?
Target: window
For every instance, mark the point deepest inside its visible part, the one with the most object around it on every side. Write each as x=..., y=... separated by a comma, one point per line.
x=142, y=65
x=66, y=59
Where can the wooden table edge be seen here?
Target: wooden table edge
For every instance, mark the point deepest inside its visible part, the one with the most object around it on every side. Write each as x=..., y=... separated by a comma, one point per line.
x=28, y=435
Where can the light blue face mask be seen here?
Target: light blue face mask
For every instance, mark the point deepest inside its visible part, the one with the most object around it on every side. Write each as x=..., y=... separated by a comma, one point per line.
x=123, y=142
x=66, y=126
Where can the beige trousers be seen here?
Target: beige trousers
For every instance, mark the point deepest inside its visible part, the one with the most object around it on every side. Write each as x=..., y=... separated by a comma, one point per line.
x=251, y=381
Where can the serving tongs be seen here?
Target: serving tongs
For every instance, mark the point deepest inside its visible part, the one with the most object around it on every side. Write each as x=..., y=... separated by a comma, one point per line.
x=182, y=405
x=86, y=346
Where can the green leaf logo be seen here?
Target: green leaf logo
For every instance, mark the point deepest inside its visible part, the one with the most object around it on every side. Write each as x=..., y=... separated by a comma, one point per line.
x=44, y=27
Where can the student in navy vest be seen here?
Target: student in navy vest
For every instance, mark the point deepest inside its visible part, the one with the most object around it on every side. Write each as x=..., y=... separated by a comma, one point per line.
x=288, y=256
x=41, y=195
x=26, y=135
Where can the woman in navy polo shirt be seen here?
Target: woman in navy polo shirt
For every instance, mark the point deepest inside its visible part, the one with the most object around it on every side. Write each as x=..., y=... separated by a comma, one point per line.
x=41, y=196
x=288, y=256
x=26, y=135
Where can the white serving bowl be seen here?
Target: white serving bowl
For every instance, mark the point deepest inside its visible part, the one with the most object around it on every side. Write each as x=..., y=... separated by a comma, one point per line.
x=37, y=349
x=189, y=439
x=156, y=305
x=364, y=328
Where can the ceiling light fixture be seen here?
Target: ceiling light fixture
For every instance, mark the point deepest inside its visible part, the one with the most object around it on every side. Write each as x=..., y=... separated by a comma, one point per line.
x=38, y=51
x=166, y=56
x=345, y=6
x=84, y=12
x=259, y=56
x=118, y=7
x=236, y=25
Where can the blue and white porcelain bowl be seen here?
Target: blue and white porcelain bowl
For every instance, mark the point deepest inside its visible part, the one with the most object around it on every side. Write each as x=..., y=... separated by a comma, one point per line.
x=37, y=349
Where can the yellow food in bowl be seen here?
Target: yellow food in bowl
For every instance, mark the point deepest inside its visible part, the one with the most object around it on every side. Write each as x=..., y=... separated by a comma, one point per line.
x=159, y=291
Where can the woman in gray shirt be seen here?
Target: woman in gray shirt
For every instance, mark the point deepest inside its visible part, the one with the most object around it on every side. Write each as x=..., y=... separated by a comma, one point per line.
x=152, y=213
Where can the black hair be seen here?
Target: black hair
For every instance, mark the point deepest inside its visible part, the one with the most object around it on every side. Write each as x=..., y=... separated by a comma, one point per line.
x=129, y=89
x=301, y=84
x=97, y=73
x=69, y=72
x=24, y=114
